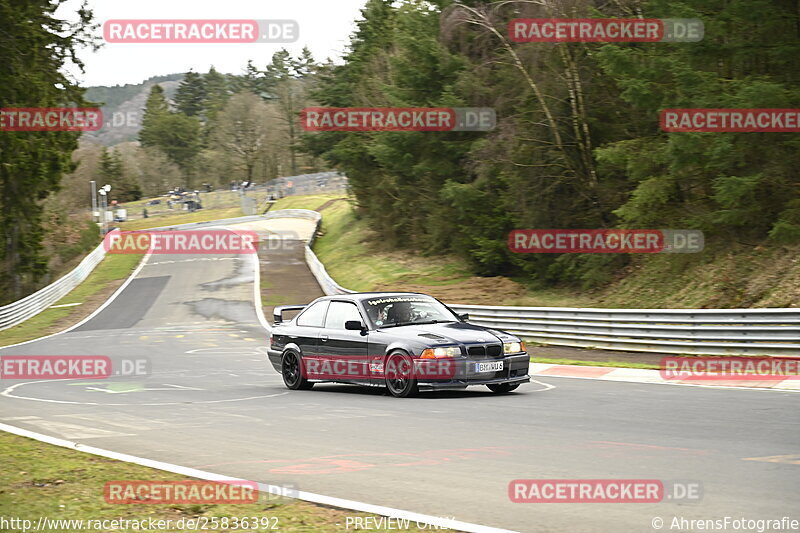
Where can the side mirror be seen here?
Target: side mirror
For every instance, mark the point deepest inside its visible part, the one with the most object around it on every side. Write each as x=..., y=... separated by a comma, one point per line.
x=464, y=317
x=354, y=325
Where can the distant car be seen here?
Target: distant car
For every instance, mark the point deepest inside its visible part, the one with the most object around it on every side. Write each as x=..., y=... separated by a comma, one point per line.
x=403, y=341
x=153, y=202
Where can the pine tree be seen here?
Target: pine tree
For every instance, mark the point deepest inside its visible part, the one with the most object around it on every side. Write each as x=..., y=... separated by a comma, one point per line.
x=154, y=109
x=110, y=169
x=191, y=95
x=35, y=46
x=217, y=94
x=175, y=134
x=252, y=81
x=304, y=66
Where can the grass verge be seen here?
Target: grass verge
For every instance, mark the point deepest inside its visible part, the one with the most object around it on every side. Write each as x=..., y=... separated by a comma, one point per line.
x=107, y=276
x=42, y=480
x=353, y=257
x=203, y=215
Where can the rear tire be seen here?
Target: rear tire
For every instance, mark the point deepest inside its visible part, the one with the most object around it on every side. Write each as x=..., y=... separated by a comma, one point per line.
x=399, y=370
x=292, y=372
x=503, y=388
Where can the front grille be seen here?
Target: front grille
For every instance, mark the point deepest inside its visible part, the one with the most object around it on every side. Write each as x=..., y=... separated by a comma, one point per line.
x=490, y=351
x=479, y=351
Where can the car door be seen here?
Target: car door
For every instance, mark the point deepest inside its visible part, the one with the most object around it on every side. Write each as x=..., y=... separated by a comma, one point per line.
x=347, y=349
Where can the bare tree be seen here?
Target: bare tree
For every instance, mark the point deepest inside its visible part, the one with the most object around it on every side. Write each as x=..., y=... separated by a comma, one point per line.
x=244, y=130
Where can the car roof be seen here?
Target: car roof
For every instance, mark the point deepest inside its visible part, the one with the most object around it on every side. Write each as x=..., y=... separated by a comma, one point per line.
x=366, y=295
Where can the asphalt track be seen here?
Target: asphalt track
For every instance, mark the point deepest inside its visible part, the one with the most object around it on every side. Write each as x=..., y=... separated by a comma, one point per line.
x=214, y=403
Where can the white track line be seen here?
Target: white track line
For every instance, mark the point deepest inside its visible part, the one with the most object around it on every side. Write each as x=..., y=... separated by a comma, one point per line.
x=257, y=294
x=272, y=489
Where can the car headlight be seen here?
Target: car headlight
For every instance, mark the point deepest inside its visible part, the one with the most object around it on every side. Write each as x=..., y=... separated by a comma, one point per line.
x=438, y=353
x=513, y=347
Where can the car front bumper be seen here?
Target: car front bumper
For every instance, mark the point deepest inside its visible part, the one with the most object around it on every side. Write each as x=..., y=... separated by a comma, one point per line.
x=456, y=385
x=515, y=370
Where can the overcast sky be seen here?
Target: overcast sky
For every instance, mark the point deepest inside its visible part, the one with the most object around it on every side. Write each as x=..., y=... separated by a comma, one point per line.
x=325, y=27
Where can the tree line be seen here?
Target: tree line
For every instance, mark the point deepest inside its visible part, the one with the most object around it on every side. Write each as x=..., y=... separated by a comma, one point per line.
x=578, y=143
x=219, y=128
x=224, y=127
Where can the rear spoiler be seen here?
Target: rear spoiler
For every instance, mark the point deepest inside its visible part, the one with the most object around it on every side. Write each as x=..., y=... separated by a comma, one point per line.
x=277, y=313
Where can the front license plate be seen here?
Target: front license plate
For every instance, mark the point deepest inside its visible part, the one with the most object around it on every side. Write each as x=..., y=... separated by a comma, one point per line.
x=493, y=366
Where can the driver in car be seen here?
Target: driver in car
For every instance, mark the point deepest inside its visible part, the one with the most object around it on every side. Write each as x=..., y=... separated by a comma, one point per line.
x=400, y=312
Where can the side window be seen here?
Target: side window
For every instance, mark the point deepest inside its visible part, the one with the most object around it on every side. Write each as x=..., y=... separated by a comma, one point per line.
x=341, y=312
x=314, y=315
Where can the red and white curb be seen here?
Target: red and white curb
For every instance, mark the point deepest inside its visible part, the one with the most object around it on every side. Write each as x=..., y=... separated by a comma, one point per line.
x=641, y=375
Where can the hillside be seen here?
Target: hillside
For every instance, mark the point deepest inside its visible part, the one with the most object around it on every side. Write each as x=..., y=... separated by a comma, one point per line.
x=122, y=101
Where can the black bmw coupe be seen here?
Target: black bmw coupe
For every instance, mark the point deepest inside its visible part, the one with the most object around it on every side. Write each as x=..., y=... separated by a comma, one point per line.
x=402, y=341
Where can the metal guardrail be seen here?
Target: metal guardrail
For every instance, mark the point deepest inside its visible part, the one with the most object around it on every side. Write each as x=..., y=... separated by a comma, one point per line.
x=681, y=331
x=21, y=310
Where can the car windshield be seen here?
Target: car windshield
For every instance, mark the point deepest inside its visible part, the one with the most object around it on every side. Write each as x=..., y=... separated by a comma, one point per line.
x=392, y=311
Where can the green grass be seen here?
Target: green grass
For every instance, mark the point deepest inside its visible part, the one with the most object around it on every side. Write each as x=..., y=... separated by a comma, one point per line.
x=352, y=257
x=203, y=215
x=112, y=268
x=273, y=299
x=313, y=202
x=578, y=362
x=40, y=479
x=214, y=199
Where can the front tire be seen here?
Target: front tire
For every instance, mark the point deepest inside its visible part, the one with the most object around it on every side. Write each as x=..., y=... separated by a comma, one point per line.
x=503, y=388
x=292, y=372
x=399, y=369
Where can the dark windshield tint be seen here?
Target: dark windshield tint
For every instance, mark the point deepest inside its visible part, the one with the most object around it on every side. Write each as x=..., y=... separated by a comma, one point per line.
x=411, y=309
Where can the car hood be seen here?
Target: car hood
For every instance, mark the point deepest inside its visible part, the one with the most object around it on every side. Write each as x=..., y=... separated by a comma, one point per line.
x=450, y=333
